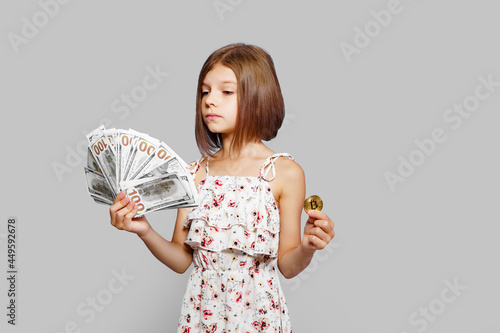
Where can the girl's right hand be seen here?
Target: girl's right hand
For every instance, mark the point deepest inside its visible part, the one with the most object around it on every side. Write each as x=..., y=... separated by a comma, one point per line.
x=122, y=212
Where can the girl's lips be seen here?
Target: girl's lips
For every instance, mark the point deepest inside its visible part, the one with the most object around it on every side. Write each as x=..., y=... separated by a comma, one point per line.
x=212, y=116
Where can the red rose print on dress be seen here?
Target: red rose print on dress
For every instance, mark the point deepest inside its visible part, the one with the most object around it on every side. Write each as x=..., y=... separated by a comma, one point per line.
x=261, y=324
x=260, y=239
x=207, y=314
x=205, y=259
x=216, y=202
x=274, y=306
x=204, y=242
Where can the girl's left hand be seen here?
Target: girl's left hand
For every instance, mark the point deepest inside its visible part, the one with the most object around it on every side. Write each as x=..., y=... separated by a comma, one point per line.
x=318, y=231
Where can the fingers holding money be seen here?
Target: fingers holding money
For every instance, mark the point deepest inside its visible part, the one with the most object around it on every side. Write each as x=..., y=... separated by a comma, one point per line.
x=121, y=200
x=119, y=197
x=122, y=211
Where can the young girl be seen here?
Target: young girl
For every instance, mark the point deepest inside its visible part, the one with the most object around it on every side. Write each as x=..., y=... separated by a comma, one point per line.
x=248, y=221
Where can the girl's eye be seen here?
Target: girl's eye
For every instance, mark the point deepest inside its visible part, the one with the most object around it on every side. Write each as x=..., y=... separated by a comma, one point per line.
x=204, y=93
x=226, y=92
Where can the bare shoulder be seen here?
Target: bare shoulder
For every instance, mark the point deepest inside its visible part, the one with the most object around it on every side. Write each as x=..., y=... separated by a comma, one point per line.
x=288, y=169
x=290, y=176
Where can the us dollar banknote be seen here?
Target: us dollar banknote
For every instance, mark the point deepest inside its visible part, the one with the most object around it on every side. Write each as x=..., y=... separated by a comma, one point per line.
x=148, y=170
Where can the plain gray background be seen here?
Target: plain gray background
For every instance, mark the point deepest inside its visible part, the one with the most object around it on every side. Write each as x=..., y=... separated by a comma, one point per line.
x=347, y=124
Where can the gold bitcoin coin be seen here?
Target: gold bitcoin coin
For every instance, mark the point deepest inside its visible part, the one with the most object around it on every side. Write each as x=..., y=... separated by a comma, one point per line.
x=313, y=202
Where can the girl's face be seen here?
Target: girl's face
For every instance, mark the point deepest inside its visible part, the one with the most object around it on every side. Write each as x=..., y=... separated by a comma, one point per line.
x=219, y=100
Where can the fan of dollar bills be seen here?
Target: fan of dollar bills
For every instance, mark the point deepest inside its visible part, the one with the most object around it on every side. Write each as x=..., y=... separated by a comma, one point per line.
x=150, y=172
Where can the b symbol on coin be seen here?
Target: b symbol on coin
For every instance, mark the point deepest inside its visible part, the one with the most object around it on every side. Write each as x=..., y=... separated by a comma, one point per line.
x=314, y=202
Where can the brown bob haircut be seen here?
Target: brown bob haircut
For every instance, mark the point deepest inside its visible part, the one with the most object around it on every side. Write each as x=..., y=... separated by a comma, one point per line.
x=261, y=108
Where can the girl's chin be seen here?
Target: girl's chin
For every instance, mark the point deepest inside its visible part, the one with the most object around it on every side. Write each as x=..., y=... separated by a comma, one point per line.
x=218, y=129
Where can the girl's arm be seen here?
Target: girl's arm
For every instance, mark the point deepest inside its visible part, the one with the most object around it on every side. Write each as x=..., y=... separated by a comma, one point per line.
x=294, y=254
x=175, y=253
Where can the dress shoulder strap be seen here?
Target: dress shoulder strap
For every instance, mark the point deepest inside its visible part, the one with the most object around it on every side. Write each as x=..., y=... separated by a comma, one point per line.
x=269, y=166
x=195, y=165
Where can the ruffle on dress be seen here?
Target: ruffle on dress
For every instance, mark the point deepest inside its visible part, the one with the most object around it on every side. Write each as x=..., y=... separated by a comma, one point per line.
x=235, y=213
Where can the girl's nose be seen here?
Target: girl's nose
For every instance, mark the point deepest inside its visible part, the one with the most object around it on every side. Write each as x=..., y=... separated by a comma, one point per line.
x=211, y=100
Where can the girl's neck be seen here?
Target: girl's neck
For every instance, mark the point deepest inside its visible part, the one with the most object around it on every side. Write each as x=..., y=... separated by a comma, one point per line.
x=243, y=163
x=248, y=149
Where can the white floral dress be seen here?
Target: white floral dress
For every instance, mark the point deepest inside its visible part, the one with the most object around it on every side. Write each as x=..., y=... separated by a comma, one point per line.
x=234, y=285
